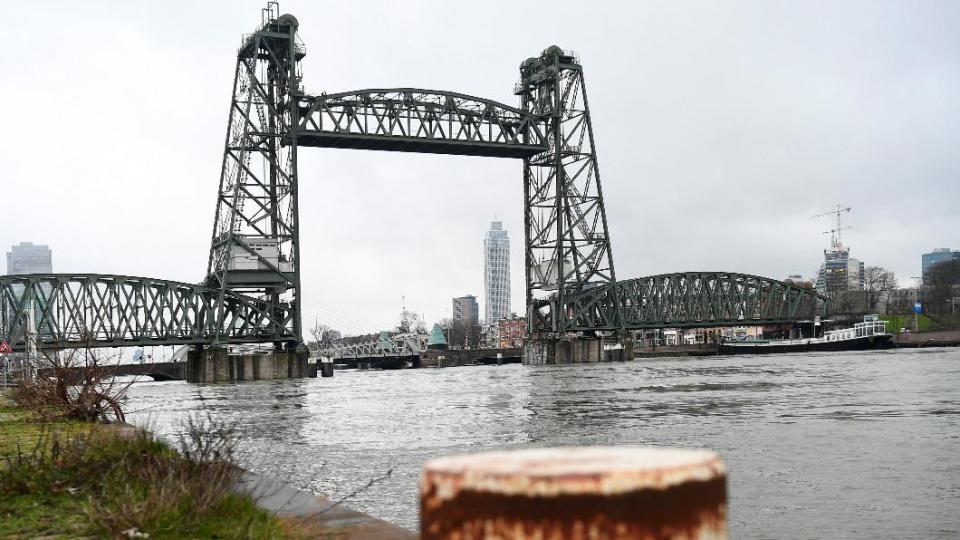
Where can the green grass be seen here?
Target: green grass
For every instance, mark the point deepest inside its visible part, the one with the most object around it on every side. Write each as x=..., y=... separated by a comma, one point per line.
x=71, y=479
x=896, y=322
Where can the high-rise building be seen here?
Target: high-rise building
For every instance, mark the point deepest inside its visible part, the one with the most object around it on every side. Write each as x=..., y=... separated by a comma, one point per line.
x=466, y=310
x=938, y=255
x=839, y=272
x=27, y=258
x=496, y=274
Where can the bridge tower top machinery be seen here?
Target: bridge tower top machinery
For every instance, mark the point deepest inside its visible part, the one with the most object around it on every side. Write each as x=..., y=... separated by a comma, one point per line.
x=567, y=239
x=255, y=245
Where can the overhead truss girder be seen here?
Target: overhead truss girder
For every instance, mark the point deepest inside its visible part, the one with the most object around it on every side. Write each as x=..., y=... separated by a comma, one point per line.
x=417, y=120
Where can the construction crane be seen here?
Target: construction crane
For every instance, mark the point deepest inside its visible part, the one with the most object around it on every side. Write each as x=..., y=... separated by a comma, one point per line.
x=835, y=232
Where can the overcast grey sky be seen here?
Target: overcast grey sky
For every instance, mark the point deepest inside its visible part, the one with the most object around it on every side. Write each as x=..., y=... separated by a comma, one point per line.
x=721, y=129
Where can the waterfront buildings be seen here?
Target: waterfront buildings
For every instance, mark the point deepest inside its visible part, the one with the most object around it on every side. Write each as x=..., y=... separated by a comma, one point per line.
x=938, y=255
x=28, y=258
x=496, y=273
x=490, y=335
x=466, y=311
x=511, y=332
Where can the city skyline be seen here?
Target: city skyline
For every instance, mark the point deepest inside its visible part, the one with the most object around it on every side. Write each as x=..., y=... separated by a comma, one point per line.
x=866, y=113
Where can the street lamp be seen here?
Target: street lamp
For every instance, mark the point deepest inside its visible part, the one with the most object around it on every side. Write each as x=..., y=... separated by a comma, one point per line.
x=919, y=302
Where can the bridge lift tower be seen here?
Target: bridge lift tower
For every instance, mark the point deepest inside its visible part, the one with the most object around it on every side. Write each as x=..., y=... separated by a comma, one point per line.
x=567, y=239
x=255, y=246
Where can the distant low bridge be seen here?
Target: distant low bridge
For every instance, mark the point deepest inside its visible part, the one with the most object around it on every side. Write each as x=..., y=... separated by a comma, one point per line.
x=159, y=371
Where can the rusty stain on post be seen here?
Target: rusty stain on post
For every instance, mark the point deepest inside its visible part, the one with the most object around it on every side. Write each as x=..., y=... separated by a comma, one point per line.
x=575, y=493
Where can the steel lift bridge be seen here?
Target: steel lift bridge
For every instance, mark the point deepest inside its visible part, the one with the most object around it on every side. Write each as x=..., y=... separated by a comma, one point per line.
x=251, y=292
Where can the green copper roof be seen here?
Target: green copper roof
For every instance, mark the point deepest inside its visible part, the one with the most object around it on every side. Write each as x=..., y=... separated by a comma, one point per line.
x=436, y=336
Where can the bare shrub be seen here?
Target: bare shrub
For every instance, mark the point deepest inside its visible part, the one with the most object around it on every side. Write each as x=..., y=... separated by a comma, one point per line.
x=204, y=438
x=78, y=385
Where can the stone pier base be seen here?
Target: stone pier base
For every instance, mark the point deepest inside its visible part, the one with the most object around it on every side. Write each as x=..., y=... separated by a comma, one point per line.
x=574, y=351
x=216, y=365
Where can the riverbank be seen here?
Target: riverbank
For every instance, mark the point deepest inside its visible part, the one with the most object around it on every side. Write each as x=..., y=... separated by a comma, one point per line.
x=67, y=479
x=76, y=479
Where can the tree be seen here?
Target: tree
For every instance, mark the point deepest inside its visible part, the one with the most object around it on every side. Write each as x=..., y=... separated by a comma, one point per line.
x=878, y=283
x=900, y=301
x=411, y=322
x=461, y=335
x=323, y=335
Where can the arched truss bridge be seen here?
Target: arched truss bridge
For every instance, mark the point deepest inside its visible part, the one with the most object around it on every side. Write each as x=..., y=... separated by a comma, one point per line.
x=96, y=310
x=691, y=300
x=407, y=344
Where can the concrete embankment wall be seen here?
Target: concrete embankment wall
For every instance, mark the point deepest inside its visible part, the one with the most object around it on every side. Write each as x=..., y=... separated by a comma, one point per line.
x=932, y=338
x=699, y=349
x=335, y=520
x=464, y=357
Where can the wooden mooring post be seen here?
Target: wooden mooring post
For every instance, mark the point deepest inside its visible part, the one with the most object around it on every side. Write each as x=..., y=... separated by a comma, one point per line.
x=575, y=493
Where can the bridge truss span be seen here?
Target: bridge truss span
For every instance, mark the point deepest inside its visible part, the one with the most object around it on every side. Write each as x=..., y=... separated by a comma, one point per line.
x=691, y=300
x=96, y=310
x=417, y=120
x=400, y=345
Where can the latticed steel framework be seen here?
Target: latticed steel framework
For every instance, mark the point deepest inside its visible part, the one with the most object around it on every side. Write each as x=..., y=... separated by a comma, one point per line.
x=255, y=244
x=95, y=310
x=251, y=290
x=690, y=300
x=567, y=242
x=408, y=344
x=414, y=120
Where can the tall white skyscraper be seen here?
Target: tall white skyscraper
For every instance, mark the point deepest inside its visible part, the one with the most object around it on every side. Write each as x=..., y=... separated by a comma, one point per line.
x=496, y=273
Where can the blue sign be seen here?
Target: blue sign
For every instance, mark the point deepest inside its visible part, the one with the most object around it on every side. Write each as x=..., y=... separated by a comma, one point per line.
x=917, y=307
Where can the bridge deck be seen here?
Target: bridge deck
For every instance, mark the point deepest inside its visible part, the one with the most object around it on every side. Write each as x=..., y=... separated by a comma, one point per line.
x=416, y=144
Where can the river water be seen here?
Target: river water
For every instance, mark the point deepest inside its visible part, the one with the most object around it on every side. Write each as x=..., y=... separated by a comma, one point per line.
x=817, y=445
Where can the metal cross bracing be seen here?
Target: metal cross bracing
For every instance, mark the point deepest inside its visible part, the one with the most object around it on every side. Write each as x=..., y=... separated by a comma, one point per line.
x=96, y=310
x=414, y=120
x=691, y=299
x=567, y=241
x=255, y=245
x=408, y=344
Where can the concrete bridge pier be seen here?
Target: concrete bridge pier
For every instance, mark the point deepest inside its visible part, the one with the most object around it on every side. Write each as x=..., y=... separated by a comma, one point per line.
x=578, y=350
x=216, y=364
